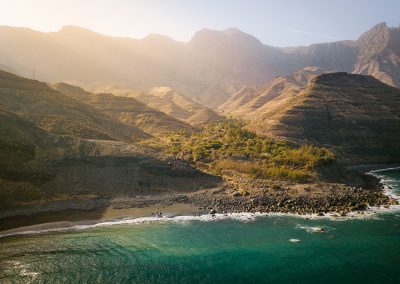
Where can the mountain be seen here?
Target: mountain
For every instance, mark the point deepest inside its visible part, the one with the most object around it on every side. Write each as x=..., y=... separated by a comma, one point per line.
x=357, y=115
x=379, y=54
x=127, y=110
x=252, y=100
x=209, y=68
x=171, y=102
x=38, y=103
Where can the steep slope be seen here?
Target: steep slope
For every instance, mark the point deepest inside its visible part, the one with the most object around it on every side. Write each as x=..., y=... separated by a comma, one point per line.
x=379, y=54
x=249, y=102
x=127, y=110
x=208, y=68
x=356, y=114
x=24, y=149
x=240, y=98
x=59, y=114
x=171, y=102
x=21, y=141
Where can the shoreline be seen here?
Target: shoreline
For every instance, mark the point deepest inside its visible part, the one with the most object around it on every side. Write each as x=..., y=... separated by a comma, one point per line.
x=170, y=206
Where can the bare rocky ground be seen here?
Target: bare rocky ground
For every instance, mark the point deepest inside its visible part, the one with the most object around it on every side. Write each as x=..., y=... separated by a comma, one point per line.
x=241, y=195
x=262, y=196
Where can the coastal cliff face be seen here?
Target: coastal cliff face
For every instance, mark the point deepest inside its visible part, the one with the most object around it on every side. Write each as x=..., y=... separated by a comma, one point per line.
x=356, y=115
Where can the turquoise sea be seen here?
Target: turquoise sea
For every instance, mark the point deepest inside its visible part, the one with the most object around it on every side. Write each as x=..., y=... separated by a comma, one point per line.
x=239, y=248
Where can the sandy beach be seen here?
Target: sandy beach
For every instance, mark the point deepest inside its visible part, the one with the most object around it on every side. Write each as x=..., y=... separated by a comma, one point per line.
x=70, y=218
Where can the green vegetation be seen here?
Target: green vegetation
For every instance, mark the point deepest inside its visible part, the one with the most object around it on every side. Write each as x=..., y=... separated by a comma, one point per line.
x=227, y=148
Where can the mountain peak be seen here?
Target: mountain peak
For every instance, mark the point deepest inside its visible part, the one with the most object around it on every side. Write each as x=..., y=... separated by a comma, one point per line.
x=341, y=78
x=158, y=38
x=375, y=39
x=208, y=37
x=232, y=31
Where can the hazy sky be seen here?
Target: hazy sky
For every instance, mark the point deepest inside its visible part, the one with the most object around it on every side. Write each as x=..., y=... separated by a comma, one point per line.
x=274, y=22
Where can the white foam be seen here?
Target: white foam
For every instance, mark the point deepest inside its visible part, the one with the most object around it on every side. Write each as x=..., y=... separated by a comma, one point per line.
x=384, y=170
x=315, y=229
x=23, y=269
x=387, y=190
x=242, y=217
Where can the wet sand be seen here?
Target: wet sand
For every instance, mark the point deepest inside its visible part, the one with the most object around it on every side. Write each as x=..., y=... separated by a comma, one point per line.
x=69, y=218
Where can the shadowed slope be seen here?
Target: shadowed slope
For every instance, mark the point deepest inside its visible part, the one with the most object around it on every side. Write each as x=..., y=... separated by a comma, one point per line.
x=57, y=113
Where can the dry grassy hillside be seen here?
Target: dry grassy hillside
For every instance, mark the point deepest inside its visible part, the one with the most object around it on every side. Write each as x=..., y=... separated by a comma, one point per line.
x=59, y=114
x=170, y=102
x=127, y=110
x=251, y=101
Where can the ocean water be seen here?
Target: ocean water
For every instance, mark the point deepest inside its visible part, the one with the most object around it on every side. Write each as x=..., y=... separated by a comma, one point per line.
x=239, y=248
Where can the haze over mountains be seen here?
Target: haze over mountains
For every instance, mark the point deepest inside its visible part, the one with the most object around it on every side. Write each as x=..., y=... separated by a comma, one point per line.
x=209, y=68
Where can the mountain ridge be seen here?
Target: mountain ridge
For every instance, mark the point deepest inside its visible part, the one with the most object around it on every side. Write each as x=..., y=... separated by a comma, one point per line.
x=209, y=68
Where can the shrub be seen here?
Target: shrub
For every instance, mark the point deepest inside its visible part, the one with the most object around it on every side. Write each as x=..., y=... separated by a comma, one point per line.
x=227, y=147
